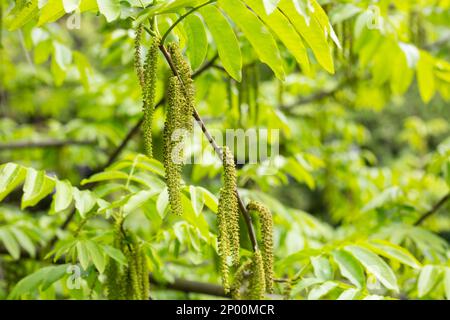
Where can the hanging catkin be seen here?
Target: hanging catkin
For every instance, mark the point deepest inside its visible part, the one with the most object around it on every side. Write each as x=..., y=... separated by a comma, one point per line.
x=131, y=281
x=267, y=240
x=238, y=280
x=178, y=124
x=223, y=240
x=185, y=73
x=115, y=280
x=257, y=286
x=137, y=55
x=148, y=93
x=228, y=218
x=173, y=147
x=230, y=202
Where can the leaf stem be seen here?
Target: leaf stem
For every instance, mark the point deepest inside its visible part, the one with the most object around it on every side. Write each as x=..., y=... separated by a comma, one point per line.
x=166, y=34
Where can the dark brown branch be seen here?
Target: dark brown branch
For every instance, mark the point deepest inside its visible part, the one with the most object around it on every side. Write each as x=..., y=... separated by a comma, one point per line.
x=42, y=144
x=189, y=286
x=316, y=96
x=433, y=210
x=217, y=149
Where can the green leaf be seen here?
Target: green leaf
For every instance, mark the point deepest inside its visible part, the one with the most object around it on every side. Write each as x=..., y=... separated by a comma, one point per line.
x=82, y=254
x=88, y=5
x=197, y=200
x=392, y=251
x=343, y=12
x=375, y=265
x=428, y=277
x=105, y=176
x=84, y=201
x=10, y=243
x=425, y=76
x=84, y=68
x=37, y=186
x=225, y=40
x=43, y=277
x=51, y=12
x=162, y=202
x=63, y=196
x=321, y=290
x=281, y=26
x=24, y=241
x=70, y=5
x=349, y=294
x=25, y=15
x=11, y=176
x=109, y=8
x=322, y=268
x=350, y=268
x=312, y=33
x=256, y=33
x=137, y=200
x=97, y=255
x=388, y=195
x=270, y=5
x=116, y=254
x=197, y=43
x=209, y=199
x=62, y=55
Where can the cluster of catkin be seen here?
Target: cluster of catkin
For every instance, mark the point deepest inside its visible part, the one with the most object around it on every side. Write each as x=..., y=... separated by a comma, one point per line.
x=258, y=270
x=228, y=219
x=180, y=106
x=129, y=282
x=147, y=79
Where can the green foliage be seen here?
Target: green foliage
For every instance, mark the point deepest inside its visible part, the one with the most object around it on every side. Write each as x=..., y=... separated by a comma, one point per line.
x=353, y=206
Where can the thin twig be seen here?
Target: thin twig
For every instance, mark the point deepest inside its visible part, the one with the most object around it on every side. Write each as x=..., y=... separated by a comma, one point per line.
x=191, y=287
x=318, y=96
x=433, y=210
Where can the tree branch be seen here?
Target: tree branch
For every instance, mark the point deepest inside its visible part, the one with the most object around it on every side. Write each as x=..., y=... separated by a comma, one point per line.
x=217, y=149
x=189, y=286
x=433, y=210
x=42, y=144
x=318, y=96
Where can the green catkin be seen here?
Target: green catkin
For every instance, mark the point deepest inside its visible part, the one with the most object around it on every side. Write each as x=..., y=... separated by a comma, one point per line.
x=228, y=218
x=185, y=73
x=113, y=285
x=130, y=282
x=230, y=202
x=257, y=286
x=238, y=280
x=178, y=123
x=223, y=240
x=144, y=271
x=115, y=281
x=173, y=165
x=137, y=55
x=148, y=93
x=267, y=240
